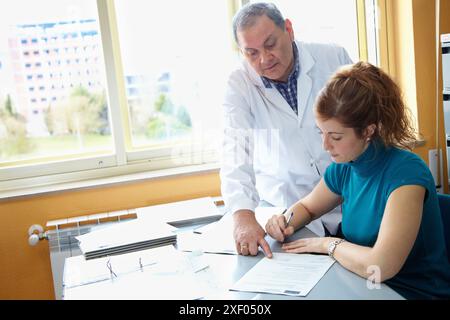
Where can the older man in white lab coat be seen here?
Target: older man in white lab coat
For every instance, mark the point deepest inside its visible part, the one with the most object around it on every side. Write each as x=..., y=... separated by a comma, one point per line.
x=272, y=148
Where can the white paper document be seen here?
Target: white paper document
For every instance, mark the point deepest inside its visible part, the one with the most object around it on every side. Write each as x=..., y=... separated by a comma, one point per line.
x=141, y=285
x=218, y=237
x=159, y=273
x=78, y=271
x=286, y=274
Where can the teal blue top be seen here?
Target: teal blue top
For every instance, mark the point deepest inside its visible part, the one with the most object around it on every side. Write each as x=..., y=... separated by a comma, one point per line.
x=365, y=185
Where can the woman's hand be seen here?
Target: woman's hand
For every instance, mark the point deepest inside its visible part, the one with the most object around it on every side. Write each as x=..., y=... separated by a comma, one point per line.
x=277, y=229
x=308, y=245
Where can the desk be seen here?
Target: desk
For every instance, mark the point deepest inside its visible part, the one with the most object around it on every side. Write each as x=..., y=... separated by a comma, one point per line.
x=225, y=270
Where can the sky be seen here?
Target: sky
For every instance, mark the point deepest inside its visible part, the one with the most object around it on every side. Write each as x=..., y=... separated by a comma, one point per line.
x=138, y=21
x=156, y=34
x=139, y=25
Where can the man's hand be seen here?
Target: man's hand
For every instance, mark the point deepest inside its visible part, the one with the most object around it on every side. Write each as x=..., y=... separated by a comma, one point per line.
x=277, y=228
x=248, y=234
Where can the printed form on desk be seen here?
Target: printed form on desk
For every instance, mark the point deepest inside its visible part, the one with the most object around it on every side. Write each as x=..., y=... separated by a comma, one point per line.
x=286, y=274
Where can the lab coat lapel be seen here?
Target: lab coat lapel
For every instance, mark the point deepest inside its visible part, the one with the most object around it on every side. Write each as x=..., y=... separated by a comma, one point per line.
x=304, y=82
x=272, y=95
x=278, y=101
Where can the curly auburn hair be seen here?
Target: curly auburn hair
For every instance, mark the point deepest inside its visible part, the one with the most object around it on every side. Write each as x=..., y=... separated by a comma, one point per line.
x=362, y=94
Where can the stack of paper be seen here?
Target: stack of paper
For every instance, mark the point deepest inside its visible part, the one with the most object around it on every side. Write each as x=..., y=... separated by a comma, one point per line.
x=126, y=237
x=195, y=211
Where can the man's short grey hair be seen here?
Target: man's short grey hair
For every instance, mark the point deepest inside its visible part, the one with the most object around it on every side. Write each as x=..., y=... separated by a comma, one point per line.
x=247, y=15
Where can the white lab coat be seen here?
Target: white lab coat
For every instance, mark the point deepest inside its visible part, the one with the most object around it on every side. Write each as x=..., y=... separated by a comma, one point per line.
x=269, y=153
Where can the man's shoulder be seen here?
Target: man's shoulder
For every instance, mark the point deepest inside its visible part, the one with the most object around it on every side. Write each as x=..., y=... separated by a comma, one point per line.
x=325, y=51
x=319, y=47
x=239, y=70
x=242, y=72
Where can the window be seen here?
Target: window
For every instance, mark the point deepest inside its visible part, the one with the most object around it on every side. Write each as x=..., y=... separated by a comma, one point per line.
x=69, y=128
x=154, y=104
x=174, y=76
x=324, y=21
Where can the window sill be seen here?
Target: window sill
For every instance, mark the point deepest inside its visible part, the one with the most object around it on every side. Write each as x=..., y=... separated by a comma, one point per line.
x=22, y=193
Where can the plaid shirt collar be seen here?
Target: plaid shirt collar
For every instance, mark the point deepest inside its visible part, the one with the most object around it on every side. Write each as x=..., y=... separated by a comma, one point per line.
x=293, y=75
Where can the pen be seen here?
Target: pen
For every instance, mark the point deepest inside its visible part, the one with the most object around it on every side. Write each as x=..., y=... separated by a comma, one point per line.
x=289, y=219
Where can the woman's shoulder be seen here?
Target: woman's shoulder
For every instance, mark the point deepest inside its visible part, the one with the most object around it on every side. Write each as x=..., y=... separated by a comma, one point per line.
x=406, y=162
x=404, y=156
